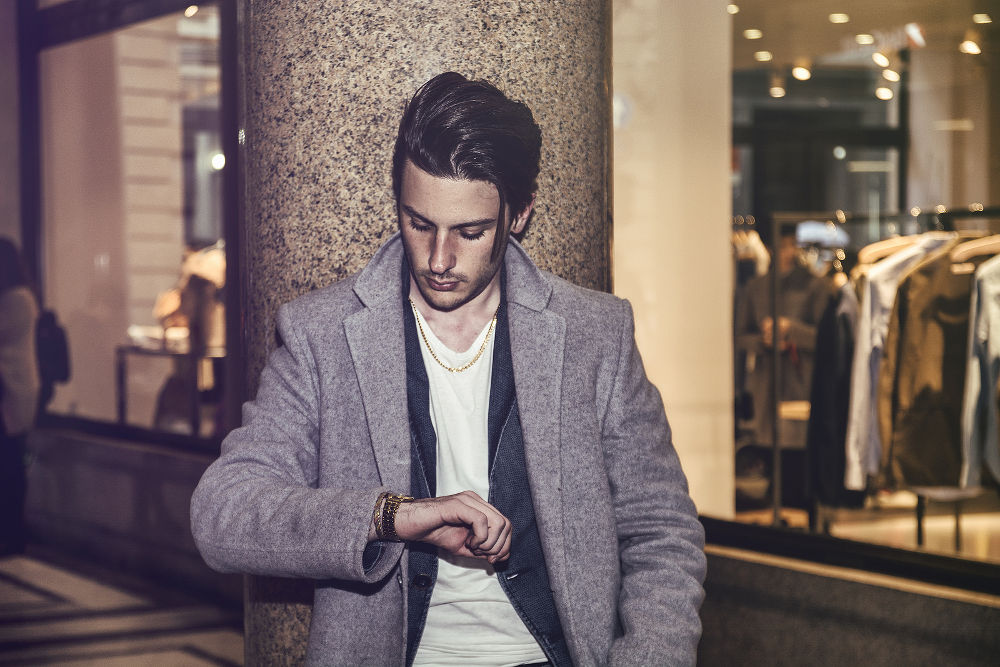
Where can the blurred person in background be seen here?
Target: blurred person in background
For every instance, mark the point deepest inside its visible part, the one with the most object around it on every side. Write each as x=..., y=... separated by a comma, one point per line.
x=19, y=386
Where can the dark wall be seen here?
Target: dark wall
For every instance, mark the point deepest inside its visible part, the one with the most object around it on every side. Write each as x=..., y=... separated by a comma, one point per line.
x=123, y=505
x=757, y=614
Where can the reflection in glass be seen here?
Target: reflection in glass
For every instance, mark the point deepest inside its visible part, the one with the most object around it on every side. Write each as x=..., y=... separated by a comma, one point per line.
x=132, y=210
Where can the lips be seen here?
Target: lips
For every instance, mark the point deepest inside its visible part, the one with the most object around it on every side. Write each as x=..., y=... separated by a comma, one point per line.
x=442, y=286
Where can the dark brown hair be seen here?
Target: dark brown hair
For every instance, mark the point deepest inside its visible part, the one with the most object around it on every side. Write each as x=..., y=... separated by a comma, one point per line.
x=469, y=130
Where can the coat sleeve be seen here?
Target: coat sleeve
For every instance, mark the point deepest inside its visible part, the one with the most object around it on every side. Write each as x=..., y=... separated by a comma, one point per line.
x=660, y=540
x=257, y=508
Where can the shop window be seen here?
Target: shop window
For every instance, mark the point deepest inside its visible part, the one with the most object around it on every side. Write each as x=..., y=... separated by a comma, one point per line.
x=132, y=250
x=849, y=147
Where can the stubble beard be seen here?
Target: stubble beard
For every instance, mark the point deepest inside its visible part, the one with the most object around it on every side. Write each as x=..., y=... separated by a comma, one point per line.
x=453, y=300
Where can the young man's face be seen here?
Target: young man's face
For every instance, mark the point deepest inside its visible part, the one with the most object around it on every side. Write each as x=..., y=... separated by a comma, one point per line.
x=448, y=227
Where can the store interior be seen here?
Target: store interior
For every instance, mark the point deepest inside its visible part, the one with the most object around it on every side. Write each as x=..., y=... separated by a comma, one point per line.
x=865, y=148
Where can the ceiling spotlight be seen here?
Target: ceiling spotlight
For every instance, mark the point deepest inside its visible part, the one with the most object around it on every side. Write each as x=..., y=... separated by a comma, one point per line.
x=883, y=93
x=777, y=86
x=915, y=211
x=191, y=11
x=890, y=75
x=981, y=18
x=839, y=18
x=801, y=73
x=733, y=9
x=839, y=152
x=752, y=33
x=763, y=56
x=880, y=59
x=971, y=47
x=864, y=39
x=940, y=208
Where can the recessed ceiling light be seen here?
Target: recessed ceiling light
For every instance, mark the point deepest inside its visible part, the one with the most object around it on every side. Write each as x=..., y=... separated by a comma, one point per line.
x=801, y=73
x=890, y=75
x=733, y=9
x=981, y=18
x=915, y=211
x=970, y=47
x=940, y=208
x=839, y=18
x=883, y=93
x=880, y=59
x=777, y=92
x=191, y=11
x=864, y=38
x=763, y=56
x=752, y=33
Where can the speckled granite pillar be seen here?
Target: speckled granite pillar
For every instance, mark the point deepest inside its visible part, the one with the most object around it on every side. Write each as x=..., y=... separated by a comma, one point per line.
x=326, y=82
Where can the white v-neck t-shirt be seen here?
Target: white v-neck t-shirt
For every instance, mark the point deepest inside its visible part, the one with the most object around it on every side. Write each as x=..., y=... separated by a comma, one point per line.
x=470, y=620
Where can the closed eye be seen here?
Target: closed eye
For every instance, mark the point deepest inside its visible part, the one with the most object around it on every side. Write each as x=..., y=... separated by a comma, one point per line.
x=473, y=236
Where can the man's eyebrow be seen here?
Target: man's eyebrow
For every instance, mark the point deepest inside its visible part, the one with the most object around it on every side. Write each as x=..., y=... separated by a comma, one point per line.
x=462, y=225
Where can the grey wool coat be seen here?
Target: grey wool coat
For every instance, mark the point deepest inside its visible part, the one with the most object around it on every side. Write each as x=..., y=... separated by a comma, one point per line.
x=292, y=493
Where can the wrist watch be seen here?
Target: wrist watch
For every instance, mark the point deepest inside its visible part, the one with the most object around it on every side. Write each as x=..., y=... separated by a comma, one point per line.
x=385, y=527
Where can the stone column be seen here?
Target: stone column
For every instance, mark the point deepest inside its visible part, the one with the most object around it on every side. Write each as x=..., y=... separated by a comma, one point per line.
x=325, y=85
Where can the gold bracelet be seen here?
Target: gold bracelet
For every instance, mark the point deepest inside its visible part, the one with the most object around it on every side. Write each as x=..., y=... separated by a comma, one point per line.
x=377, y=514
x=387, y=521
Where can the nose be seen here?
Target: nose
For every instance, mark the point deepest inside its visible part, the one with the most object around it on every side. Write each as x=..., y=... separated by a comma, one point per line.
x=442, y=257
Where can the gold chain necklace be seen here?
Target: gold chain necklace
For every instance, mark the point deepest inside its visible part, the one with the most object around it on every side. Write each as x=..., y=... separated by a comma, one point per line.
x=482, y=348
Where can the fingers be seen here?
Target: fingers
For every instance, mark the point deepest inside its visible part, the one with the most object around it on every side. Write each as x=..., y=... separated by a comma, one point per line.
x=490, y=531
x=463, y=524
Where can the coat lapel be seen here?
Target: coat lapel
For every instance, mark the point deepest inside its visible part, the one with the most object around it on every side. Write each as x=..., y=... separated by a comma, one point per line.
x=375, y=337
x=537, y=342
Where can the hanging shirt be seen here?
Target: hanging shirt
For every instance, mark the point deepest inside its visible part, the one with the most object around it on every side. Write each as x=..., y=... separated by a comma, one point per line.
x=863, y=448
x=980, y=436
x=470, y=620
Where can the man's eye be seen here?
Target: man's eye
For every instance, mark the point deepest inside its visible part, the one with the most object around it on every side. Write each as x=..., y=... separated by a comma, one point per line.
x=472, y=236
x=419, y=227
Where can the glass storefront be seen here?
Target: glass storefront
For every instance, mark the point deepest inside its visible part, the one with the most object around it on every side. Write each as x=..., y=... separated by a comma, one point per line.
x=133, y=257
x=864, y=162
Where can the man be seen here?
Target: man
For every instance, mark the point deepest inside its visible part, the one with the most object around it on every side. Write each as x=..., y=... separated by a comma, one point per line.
x=551, y=522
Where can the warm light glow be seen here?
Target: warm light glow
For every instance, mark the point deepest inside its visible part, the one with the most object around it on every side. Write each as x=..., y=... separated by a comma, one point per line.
x=970, y=47
x=841, y=216
x=839, y=152
x=883, y=93
x=733, y=9
x=916, y=34
x=763, y=56
x=777, y=91
x=218, y=161
x=191, y=11
x=976, y=207
x=801, y=73
x=864, y=38
x=940, y=208
x=880, y=59
x=839, y=18
x=752, y=33
x=915, y=211
x=890, y=75
x=981, y=18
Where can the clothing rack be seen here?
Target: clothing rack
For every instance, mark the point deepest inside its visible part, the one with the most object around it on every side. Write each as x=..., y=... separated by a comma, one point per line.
x=878, y=227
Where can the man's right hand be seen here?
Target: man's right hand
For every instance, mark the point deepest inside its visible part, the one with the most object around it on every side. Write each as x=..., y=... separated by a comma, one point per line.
x=462, y=524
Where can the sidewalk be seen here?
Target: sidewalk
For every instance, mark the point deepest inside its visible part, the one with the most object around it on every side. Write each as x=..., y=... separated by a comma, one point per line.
x=69, y=614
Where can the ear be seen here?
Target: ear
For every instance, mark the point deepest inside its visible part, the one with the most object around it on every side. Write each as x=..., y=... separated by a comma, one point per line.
x=517, y=225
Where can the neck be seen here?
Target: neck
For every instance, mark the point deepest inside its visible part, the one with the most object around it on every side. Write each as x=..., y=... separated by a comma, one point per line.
x=459, y=328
